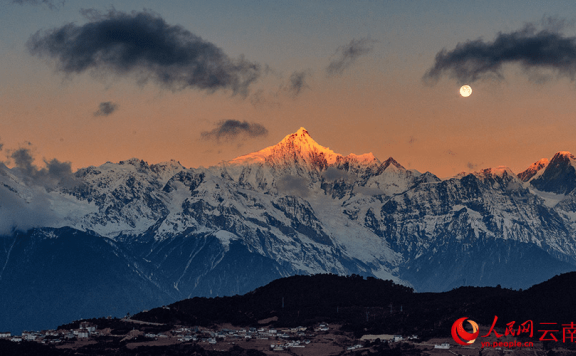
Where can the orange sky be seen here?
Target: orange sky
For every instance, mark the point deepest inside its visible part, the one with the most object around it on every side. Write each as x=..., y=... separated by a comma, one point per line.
x=379, y=104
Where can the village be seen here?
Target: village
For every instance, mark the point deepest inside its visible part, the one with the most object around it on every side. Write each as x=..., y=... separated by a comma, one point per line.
x=319, y=339
x=321, y=336
x=86, y=331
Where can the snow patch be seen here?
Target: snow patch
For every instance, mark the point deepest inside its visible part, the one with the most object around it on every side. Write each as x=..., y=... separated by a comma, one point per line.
x=225, y=237
x=550, y=199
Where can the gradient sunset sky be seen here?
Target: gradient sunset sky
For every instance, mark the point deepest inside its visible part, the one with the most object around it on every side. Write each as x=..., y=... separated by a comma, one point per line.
x=200, y=82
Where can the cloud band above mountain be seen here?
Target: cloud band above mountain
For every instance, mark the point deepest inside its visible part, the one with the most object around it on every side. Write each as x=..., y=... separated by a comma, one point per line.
x=230, y=130
x=55, y=172
x=531, y=49
x=144, y=46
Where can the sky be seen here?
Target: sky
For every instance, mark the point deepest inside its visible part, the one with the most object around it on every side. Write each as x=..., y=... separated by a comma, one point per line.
x=88, y=82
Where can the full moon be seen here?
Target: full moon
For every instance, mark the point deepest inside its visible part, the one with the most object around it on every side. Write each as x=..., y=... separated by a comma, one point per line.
x=465, y=91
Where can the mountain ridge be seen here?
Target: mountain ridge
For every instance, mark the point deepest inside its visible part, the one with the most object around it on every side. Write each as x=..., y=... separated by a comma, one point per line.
x=293, y=208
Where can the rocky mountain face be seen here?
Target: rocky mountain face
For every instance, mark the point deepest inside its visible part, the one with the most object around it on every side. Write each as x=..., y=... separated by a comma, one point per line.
x=128, y=236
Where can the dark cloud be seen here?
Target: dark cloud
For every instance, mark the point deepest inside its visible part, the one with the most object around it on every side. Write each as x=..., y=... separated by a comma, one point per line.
x=23, y=160
x=142, y=45
x=106, y=108
x=57, y=169
x=471, y=165
x=50, y=3
x=230, y=130
x=298, y=82
x=346, y=55
x=293, y=185
x=53, y=174
x=533, y=50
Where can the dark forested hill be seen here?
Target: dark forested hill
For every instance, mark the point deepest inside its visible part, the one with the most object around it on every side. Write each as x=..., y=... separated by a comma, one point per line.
x=379, y=306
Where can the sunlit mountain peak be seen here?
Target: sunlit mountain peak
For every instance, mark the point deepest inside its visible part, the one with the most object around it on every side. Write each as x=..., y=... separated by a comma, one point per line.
x=296, y=147
x=363, y=158
x=563, y=154
x=533, y=169
x=491, y=172
x=562, y=159
x=541, y=163
x=501, y=170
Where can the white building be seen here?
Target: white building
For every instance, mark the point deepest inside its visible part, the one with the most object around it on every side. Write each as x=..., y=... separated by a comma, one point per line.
x=444, y=346
x=5, y=334
x=86, y=325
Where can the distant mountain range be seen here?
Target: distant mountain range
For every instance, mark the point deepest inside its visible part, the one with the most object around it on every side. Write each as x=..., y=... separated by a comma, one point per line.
x=128, y=236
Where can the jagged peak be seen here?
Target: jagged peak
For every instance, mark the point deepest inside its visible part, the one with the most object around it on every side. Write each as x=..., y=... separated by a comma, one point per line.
x=163, y=169
x=301, y=132
x=133, y=161
x=302, y=141
x=533, y=169
x=558, y=176
x=562, y=155
x=167, y=164
x=541, y=162
x=499, y=171
x=136, y=162
x=392, y=162
x=300, y=146
x=561, y=159
x=363, y=158
x=167, y=169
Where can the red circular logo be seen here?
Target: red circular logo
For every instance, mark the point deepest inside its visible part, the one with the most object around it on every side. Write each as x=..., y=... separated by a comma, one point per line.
x=459, y=334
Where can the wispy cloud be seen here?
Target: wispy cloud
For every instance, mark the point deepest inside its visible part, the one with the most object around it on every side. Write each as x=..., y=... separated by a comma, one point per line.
x=297, y=82
x=346, y=55
x=334, y=174
x=50, y=3
x=293, y=185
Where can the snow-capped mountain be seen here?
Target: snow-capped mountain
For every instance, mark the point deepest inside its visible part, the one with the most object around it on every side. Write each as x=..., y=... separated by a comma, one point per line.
x=559, y=175
x=164, y=232
x=533, y=169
